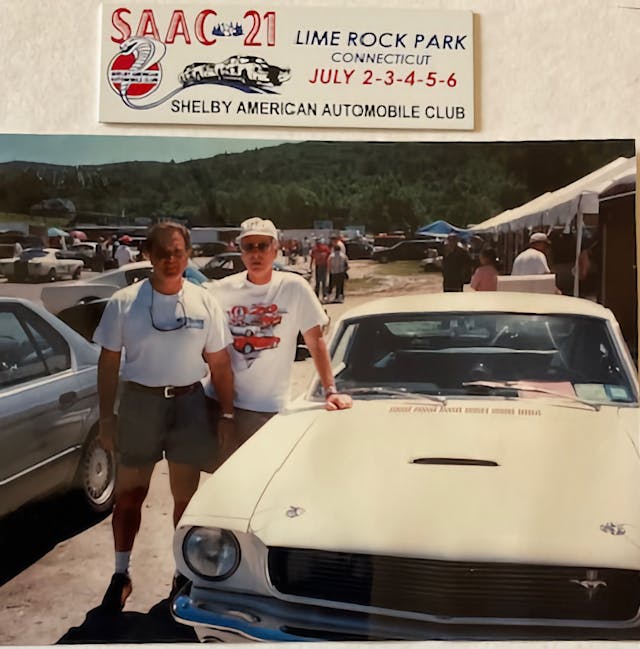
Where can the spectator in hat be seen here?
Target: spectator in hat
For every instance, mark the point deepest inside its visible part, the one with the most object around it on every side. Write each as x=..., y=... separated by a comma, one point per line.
x=265, y=310
x=533, y=260
x=123, y=254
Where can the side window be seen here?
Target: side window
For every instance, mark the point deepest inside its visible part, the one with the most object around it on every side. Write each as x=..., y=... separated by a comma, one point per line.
x=29, y=347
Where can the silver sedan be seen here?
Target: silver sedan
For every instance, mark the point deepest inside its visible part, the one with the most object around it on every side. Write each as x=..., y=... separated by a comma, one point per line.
x=48, y=411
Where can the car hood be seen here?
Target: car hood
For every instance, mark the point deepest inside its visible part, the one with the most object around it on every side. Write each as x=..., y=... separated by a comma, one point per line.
x=480, y=480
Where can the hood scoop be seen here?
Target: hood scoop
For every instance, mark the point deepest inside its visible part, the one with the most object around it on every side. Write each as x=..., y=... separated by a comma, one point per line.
x=453, y=461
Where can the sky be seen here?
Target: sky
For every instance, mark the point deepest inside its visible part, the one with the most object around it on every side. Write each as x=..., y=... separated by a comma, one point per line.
x=104, y=149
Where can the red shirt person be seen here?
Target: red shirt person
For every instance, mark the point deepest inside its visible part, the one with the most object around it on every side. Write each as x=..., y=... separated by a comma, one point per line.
x=320, y=259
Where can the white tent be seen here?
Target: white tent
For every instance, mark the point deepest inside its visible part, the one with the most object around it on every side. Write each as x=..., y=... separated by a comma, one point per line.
x=563, y=205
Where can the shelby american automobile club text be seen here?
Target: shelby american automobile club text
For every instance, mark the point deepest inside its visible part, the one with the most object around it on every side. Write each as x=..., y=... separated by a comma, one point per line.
x=289, y=108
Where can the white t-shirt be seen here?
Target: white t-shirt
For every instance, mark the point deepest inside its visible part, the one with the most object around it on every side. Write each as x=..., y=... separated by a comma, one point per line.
x=264, y=320
x=157, y=358
x=124, y=255
x=530, y=262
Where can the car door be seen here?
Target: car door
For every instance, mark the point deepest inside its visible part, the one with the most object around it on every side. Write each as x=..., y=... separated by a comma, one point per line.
x=42, y=408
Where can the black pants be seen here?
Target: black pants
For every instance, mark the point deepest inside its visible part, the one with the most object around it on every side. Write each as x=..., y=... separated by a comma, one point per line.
x=321, y=281
x=336, y=280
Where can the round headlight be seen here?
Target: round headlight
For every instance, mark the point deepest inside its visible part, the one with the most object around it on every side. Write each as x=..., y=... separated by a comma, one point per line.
x=211, y=553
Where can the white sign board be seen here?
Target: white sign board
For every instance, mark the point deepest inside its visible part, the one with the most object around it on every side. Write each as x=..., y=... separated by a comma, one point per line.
x=287, y=66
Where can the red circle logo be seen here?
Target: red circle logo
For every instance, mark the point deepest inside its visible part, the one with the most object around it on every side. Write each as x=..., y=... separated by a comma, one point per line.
x=126, y=80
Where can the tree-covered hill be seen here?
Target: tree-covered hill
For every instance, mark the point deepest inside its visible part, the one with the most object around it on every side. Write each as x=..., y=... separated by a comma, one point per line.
x=382, y=185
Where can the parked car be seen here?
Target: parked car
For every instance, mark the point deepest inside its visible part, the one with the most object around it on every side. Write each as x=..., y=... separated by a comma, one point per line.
x=208, y=248
x=86, y=253
x=105, y=285
x=487, y=474
x=411, y=249
x=432, y=260
x=229, y=263
x=10, y=238
x=56, y=298
x=40, y=264
x=48, y=411
x=251, y=70
x=358, y=249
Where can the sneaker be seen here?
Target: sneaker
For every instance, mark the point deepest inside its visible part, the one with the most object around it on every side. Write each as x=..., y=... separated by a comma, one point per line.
x=179, y=580
x=117, y=593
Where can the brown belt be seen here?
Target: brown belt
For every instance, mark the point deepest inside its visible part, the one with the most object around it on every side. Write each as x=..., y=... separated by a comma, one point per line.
x=166, y=391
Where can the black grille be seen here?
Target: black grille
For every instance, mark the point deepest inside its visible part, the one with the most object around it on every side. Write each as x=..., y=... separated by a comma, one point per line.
x=457, y=589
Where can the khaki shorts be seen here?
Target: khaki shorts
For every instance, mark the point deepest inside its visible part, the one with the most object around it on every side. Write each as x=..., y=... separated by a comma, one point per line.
x=151, y=427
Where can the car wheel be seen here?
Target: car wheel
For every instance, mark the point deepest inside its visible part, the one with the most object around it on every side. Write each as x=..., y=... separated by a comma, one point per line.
x=96, y=476
x=51, y=275
x=77, y=273
x=247, y=349
x=248, y=332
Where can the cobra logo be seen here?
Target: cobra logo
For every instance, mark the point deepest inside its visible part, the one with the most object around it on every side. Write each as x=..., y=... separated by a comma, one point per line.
x=135, y=71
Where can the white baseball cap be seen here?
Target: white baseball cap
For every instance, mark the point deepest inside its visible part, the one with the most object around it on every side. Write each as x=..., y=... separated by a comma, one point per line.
x=539, y=237
x=257, y=226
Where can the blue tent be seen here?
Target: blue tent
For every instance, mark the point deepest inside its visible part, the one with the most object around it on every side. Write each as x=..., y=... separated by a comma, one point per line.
x=443, y=228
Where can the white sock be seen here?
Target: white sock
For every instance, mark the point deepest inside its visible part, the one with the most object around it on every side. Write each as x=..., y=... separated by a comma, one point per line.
x=122, y=561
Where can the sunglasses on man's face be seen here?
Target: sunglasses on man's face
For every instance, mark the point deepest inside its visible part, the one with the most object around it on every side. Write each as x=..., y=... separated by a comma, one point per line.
x=263, y=246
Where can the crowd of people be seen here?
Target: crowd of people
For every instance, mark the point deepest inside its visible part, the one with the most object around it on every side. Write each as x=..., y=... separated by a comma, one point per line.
x=328, y=263
x=458, y=267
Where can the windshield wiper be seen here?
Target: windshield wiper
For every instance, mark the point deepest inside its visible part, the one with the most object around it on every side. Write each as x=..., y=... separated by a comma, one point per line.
x=394, y=392
x=526, y=387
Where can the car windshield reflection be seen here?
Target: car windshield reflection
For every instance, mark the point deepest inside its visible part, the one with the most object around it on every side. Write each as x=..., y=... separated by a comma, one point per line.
x=479, y=355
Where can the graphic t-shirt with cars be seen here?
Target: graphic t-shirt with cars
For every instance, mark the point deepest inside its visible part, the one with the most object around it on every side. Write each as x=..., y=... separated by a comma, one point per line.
x=264, y=321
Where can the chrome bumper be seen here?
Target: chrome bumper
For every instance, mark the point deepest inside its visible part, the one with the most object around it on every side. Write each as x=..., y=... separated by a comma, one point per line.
x=218, y=615
x=233, y=617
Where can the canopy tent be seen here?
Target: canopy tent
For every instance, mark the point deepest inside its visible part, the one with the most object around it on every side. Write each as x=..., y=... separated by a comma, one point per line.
x=563, y=205
x=442, y=228
x=56, y=232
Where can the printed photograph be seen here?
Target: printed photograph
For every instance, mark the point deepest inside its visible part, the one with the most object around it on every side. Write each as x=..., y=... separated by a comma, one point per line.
x=264, y=390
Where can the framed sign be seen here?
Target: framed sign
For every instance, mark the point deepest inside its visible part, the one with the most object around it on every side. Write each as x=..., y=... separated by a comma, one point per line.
x=287, y=66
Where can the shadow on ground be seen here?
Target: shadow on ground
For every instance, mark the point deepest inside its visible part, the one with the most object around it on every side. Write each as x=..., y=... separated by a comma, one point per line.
x=31, y=532
x=129, y=627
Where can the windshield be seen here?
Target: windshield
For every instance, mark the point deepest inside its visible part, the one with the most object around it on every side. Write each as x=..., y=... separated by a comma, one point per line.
x=33, y=253
x=481, y=354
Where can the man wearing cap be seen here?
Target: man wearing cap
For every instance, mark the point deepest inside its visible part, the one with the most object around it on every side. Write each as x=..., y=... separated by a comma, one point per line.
x=170, y=330
x=533, y=261
x=123, y=254
x=265, y=310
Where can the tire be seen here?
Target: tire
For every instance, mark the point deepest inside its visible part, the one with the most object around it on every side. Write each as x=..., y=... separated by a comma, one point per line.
x=247, y=349
x=52, y=275
x=248, y=332
x=77, y=273
x=96, y=476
